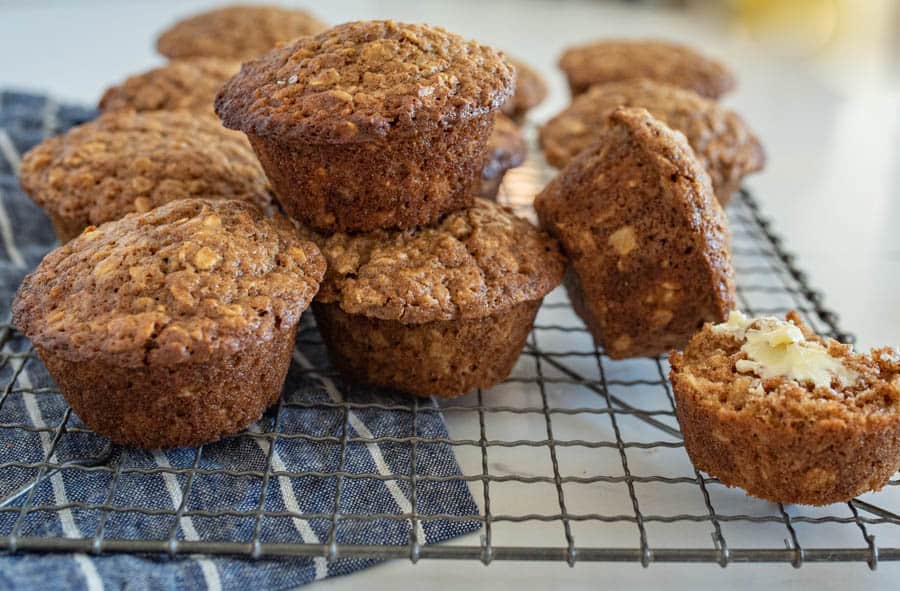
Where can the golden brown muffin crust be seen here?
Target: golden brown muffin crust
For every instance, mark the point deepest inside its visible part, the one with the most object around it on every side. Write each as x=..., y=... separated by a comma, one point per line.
x=472, y=263
x=719, y=137
x=645, y=237
x=180, y=84
x=786, y=440
x=610, y=61
x=364, y=80
x=125, y=161
x=531, y=90
x=506, y=148
x=238, y=32
x=177, y=284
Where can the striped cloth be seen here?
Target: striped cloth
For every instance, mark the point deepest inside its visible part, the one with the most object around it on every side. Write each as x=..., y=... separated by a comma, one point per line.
x=149, y=482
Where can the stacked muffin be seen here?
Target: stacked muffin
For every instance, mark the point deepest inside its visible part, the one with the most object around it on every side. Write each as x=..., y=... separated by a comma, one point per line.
x=374, y=135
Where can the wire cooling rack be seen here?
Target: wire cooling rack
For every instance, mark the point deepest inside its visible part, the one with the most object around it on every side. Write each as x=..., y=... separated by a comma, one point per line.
x=575, y=457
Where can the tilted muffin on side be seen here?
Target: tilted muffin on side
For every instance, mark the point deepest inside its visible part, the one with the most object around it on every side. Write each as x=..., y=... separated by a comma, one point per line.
x=180, y=84
x=610, y=61
x=645, y=237
x=173, y=327
x=370, y=124
x=531, y=90
x=435, y=311
x=124, y=162
x=239, y=32
x=506, y=150
x=721, y=140
x=766, y=405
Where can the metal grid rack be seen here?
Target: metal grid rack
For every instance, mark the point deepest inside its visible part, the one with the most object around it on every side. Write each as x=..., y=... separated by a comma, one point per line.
x=574, y=458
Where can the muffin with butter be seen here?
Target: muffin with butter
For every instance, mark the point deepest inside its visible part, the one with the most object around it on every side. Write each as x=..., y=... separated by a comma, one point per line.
x=767, y=405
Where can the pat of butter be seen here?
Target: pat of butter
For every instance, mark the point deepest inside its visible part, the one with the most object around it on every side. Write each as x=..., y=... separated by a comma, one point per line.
x=776, y=348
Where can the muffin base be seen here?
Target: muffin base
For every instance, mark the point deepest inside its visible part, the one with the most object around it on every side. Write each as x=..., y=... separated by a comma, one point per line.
x=441, y=358
x=182, y=405
x=383, y=184
x=822, y=463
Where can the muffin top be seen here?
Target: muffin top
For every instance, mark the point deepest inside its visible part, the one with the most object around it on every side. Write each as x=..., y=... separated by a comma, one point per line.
x=531, y=90
x=180, y=84
x=506, y=148
x=609, y=61
x=125, y=161
x=471, y=264
x=238, y=32
x=183, y=282
x=365, y=80
x=781, y=372
x=646, y=238
x=721, y=140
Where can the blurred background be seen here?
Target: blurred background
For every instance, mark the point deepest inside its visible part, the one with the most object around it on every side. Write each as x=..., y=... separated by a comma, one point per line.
x=819, y=80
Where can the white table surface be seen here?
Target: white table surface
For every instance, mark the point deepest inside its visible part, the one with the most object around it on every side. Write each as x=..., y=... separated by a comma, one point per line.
x=830, y=124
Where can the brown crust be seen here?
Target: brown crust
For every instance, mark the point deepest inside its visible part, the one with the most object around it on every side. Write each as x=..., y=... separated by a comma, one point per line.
x=181, y=84
x=785, y=441
x=365, y=80
x=610, y=61
x=531, y=90
x=451, y=357
x=152, y=406
x=124, y=162
x=386, y=183
x=721, y=140
x=474, y=263
x=645, y=238
x=238, y=32
x=186, y=283
x=506, y=149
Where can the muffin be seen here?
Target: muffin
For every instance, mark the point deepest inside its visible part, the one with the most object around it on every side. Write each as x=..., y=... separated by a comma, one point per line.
x=370, y=125
x=531, y=90
x=645, y=238
x=506, y=149
x=611, y=61
x=435, y=311
x=172, y=327
x=722, y=142
x=181, y=84
x=768, y=406
x=238, y=32
x=124, y=162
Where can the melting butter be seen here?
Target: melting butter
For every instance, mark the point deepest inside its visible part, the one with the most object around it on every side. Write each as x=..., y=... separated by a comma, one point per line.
x=777, y=348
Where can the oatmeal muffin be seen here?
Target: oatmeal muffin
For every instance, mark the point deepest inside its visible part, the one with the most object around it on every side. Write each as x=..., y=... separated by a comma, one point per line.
x=172, y=327
x=531, y=90
x=370, y=125
x=768, y=406
x=722, y=142
x=645, y=237
x=239, y=32
x=180, y=84
x=124, y=162
x=506, y=149
x=435, y=311
x=610, y=61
